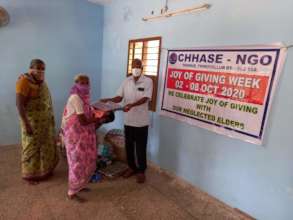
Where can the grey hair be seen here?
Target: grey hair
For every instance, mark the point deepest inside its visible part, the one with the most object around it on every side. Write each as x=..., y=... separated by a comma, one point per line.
x=81, y=76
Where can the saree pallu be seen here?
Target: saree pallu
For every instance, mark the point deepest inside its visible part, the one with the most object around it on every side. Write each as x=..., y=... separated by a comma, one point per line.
x=39, y=151
x=80, y=144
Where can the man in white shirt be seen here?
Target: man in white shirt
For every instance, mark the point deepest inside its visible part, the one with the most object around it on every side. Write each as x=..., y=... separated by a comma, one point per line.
x=136, y=92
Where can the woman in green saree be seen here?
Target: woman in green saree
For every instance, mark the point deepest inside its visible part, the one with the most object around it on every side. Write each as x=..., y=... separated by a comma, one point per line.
x=39, y=152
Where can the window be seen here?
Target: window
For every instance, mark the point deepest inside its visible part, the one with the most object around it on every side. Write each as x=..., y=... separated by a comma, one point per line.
x=148, y=50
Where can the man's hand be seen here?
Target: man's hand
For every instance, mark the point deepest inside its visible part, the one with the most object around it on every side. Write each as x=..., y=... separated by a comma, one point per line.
x=127, y=107
x=28, y=129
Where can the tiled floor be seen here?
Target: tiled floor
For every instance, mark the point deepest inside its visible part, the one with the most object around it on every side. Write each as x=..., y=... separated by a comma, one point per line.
x=162, y=197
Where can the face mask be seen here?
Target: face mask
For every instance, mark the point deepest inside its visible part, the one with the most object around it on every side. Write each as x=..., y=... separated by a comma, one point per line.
x=84, y=89
x=136, y=72
x=38, y=76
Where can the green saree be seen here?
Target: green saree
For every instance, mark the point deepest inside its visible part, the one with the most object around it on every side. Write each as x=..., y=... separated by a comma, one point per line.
x=39, y=151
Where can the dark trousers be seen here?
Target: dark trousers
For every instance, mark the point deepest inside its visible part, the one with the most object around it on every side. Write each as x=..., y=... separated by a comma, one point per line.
x=136, y=143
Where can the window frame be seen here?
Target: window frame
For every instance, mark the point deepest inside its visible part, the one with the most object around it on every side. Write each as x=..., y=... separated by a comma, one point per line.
x=155, y=78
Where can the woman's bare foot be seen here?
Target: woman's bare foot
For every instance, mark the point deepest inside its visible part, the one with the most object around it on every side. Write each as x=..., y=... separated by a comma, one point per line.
x=76, y=198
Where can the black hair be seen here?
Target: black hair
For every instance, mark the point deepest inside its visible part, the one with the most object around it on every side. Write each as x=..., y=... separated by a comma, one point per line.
x=36, y=62
x=137, y=61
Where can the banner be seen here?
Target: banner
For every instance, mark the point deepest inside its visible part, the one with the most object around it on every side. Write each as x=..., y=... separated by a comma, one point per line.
x=227, y=90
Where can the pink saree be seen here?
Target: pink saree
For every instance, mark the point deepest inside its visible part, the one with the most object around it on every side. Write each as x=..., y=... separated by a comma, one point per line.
x=80, y=143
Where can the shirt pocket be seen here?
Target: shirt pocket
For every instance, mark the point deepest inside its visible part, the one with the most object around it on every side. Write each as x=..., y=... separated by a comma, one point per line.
x=140, y=91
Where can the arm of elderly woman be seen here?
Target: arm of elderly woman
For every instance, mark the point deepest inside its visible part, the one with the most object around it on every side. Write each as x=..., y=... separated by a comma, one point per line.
x=20, y=103
x=75, y=104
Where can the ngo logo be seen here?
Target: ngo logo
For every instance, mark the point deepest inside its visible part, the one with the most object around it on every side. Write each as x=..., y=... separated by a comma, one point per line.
x=173, y=58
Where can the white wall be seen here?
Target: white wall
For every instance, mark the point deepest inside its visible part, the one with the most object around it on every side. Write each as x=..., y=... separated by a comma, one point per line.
x=257, y=180
x=67, y=35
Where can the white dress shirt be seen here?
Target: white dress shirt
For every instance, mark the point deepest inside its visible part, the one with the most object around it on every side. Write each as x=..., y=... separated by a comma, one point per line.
x=131, y=92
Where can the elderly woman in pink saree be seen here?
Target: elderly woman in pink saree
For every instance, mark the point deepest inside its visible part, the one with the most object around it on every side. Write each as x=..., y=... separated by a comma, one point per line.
x=78, y=127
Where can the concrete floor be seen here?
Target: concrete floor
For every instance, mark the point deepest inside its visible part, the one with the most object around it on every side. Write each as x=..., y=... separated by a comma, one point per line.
x=161, y=197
